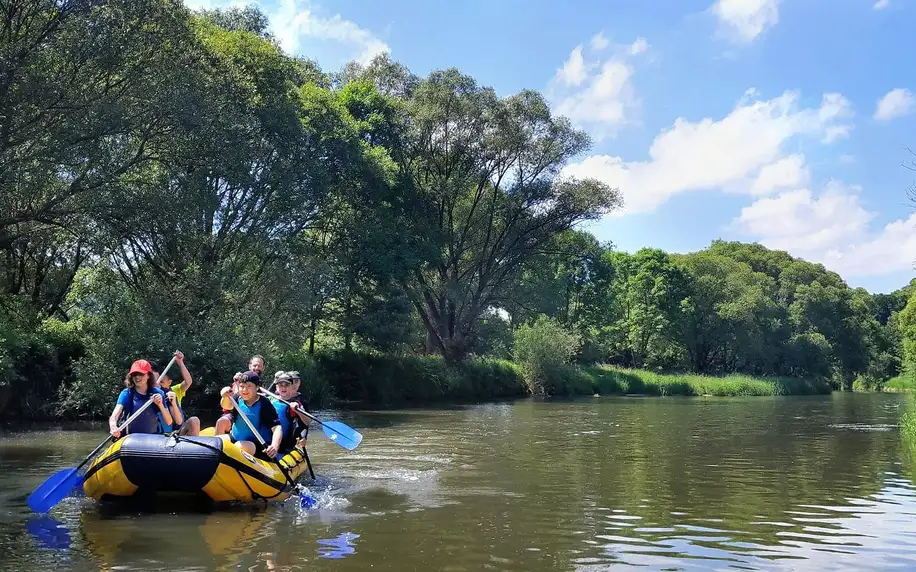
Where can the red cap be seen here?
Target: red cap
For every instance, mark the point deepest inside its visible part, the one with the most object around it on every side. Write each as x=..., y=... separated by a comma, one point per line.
x=140, y=366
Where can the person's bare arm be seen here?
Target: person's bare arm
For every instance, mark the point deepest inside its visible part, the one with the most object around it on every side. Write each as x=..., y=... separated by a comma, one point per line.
x=113, y=421
x=173, y=408
x=185, y=374
x=274, y=447
x=157, y=399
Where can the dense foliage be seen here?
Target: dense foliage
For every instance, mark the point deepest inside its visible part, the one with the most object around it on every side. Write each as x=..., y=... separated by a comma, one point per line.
x=172, y=179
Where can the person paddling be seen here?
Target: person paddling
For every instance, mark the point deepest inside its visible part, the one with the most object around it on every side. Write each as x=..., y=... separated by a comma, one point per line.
x=286, y=417
x=288, y=389
x=139, y=389
x=184, y=425
x=259, y=412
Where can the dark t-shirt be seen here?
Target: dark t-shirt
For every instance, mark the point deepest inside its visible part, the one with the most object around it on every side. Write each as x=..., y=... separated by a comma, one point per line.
x=148, y=421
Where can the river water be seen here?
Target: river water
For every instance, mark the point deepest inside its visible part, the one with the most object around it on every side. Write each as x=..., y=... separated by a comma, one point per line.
x=763, y=483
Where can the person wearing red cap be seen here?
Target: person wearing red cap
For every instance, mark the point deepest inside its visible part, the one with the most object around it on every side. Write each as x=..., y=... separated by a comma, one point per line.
x=140, y=389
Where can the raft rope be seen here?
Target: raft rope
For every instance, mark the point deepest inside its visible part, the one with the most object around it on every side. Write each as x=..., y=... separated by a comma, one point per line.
x=222, y=453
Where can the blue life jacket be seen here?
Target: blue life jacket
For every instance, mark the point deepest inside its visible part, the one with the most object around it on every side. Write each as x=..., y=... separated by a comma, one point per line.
x=255, y=414
x=175, y=425
x=150, y=421
x=285, y=422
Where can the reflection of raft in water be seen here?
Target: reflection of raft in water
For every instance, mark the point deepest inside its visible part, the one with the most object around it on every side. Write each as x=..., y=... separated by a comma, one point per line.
x=141, y=464
x=223, y=540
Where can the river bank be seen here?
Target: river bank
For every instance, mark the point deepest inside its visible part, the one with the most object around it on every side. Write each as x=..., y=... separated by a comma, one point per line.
x=399, y=381
x=353, y=380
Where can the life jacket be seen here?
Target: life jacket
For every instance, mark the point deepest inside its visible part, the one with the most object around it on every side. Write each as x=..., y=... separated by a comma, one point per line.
x=285, y=422
x=264, y=423
x=134, y=396
x=297, y=428
x=175, y=425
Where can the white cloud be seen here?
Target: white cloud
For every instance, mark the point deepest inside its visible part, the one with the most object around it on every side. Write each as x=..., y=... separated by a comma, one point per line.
x=639, y=46
x=880, y=5
x=895, y=103
x=745, y=151
x=833, y=229
x=294, y=21
x=788, y=172
x=742, y=21
x=599, y=42
x=597, y=94
x=574, y=70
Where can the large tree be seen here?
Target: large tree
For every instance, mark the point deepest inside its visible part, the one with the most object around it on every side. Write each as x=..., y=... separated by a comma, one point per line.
x=483, y=173
x=87, y=91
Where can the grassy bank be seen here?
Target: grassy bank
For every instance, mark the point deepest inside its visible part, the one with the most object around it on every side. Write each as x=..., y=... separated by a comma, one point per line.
x=908, y=437
x=900, y=384
x=388, y=381
x=342, y=379
x=610, y=380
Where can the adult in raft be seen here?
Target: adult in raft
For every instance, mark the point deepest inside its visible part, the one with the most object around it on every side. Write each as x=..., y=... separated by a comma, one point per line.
x=288, y=388
x=140, y=389
x=260, y=412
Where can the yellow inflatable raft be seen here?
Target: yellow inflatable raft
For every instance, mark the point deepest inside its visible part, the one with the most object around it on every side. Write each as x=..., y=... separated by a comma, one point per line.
x=174, y=465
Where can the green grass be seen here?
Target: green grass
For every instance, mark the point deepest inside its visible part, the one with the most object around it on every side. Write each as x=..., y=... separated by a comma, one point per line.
x=908, y=437
x=609, y=380
x=414, y=380
x=900, y=384
x=908, y=428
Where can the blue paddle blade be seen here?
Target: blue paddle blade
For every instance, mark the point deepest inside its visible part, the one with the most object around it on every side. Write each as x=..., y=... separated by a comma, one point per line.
x=342, y=434
x=307, y=501
x=53, y=490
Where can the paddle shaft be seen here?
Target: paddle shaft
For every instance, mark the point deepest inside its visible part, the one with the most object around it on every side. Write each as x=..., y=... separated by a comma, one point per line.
x=120, y=428
x=258, y=436
x=145, y=405
x=303, y=411
x=308, y=461
x=247, y=421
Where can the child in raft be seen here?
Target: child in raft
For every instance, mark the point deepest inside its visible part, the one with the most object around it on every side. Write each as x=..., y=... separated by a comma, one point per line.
x=288, y=389
x=139, y=389
x=170, y=401
x=175, y=393
x=264, y=419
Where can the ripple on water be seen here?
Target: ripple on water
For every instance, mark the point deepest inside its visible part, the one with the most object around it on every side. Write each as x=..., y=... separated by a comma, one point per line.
x=866, y=533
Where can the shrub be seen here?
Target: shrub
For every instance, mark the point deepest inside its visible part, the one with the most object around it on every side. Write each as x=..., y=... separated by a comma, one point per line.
x=542, y=348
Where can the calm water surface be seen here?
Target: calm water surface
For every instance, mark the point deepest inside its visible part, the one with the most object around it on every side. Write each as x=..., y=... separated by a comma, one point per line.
x=793, y=483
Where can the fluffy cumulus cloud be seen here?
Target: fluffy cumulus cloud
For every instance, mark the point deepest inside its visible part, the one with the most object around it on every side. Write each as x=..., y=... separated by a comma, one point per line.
x=833, y=228
x=743, y=21
x=747, y=151
x=895, y=103
x=294, y=22
x=880, y=5
x=594, y=89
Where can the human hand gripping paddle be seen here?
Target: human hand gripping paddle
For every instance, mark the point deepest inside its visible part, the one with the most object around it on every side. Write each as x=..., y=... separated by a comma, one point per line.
x=56, y=487
x=336, y=431
x=306, y=498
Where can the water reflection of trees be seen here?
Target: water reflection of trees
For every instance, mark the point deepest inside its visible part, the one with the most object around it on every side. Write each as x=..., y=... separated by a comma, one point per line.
x=561, y=477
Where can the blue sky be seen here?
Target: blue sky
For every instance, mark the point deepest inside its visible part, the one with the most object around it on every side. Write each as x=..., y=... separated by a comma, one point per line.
x=784, y=122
